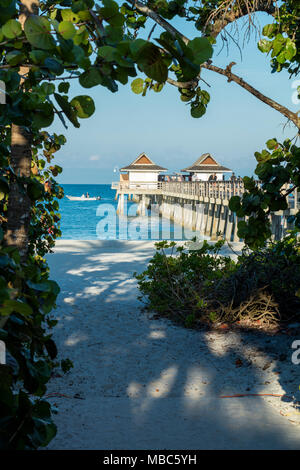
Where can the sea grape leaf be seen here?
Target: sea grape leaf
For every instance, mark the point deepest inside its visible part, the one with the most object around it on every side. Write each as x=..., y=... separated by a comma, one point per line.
x=38, y=32
x=84, y=106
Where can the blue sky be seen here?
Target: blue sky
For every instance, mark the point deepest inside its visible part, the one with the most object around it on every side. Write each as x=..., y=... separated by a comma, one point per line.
x=235, y=125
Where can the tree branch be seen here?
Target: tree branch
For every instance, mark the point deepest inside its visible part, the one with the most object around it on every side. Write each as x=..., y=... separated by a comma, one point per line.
x=99, y=26
x=190, y=84
x=272, y=103
x=231, y=10
x=158, y=19
x=258, y=5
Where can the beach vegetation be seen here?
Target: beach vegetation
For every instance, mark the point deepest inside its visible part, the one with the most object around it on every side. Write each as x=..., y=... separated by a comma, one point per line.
x=197, y=286
x=27, y=298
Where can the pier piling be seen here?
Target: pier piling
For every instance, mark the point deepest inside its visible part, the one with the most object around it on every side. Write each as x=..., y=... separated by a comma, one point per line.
x=200, y=206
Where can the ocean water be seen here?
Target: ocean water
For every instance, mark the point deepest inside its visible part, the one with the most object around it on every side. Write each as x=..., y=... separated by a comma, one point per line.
x=91, y=220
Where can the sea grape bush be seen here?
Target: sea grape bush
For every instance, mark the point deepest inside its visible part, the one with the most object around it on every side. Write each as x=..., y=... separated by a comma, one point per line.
x=178, y=282
x=275, y=268
x=196, y=285
x=278, y=172
x=94, y=42
x=283, y=38
x=27, y=296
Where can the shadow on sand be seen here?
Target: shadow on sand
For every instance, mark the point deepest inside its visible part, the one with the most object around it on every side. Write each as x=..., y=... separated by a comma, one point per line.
x=139, y=383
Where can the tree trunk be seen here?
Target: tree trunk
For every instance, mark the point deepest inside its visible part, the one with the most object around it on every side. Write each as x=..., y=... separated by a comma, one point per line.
x=18, y=214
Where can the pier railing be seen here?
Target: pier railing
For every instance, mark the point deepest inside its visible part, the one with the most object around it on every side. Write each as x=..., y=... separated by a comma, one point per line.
x=216, y=189
x=126, y=186
x=223, y=190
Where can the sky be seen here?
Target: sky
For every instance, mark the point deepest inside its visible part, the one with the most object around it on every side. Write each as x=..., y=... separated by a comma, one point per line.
x=124, y=125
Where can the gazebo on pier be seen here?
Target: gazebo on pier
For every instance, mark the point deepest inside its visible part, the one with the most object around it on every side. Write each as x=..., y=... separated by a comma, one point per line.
x=205, y=167
x=141, y=173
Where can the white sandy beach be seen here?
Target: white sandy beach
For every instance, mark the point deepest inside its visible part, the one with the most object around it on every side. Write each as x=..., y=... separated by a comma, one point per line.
x=140, y=383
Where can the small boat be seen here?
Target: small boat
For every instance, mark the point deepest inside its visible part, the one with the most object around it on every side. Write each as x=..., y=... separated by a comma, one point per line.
x=83, y=198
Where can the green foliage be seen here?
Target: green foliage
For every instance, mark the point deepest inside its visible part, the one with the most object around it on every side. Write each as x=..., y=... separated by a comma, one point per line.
x=38, y=32
x=140, y=86
x=201, y=49
x=152, y=63
x=66, y=365
x=67, y=108
x=137, y=85
x=276, y=268
x=12, y=29
x=84, y=106
x=199, y=286
x=283, y=38
x=178, y=281
x=278, y=170
x=99, y=48
x=66, y=29
x=27, y=296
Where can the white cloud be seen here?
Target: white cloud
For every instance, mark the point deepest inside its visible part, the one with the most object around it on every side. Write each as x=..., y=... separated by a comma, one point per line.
x=94, y=158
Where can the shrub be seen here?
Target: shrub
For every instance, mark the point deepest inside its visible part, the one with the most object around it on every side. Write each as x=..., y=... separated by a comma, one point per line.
x=26, y=296
x=273, y=270
x=178, y=282
x=196, y=284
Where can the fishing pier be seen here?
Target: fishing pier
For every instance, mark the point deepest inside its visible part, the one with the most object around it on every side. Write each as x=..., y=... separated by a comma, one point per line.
x=198, y=201
x=201, y=206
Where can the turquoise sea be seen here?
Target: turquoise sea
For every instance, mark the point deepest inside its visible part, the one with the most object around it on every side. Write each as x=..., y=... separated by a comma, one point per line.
x=90, y=220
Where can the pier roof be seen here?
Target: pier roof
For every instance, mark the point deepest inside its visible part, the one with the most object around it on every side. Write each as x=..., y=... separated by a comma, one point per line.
x=206, y=163
x=143, y=163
